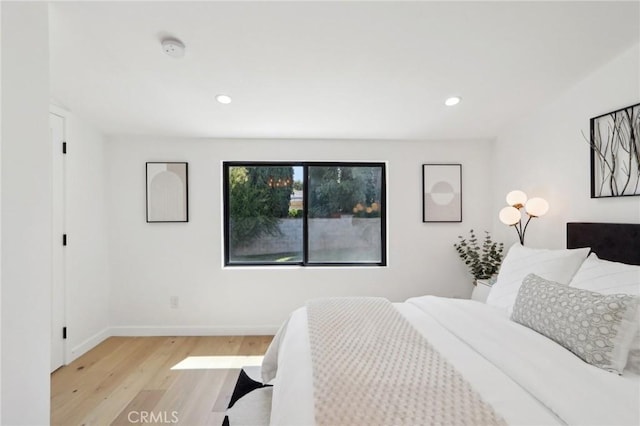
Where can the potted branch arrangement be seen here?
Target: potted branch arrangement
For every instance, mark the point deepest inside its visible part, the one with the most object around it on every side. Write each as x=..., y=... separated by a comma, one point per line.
x=483, y=260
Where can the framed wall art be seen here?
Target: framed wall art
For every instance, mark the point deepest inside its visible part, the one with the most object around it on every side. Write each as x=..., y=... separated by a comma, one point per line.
x=442, y=192
x=167, y=192
x=615, y=153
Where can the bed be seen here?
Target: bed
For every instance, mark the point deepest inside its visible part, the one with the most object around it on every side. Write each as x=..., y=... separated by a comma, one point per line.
x=484, y=366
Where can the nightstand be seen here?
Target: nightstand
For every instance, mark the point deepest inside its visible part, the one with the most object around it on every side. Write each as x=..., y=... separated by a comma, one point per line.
x=482, y=289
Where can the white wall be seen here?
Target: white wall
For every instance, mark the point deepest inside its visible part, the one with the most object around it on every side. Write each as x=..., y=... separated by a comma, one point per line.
x=26, y=214
x=149, y=263
x=0, y=221
x=86, y=256
x=546, y=155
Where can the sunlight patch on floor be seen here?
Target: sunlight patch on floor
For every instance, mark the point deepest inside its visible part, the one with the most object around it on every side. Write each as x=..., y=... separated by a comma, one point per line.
x=217, y=362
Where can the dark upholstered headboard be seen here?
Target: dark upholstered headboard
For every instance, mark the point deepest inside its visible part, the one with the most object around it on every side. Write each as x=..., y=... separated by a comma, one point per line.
x=618, y=242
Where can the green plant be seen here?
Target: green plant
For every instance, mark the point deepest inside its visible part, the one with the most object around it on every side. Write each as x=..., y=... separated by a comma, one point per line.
x=296, y=213
x=336, y=190
x=258, y=198
x=483, y=260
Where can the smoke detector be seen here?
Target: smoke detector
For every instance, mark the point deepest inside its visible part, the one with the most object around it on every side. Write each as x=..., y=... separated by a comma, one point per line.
x=173, y=47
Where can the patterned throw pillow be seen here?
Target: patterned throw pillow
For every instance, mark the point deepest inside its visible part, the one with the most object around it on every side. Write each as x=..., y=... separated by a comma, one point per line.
x=596, y=327
x=608, y=277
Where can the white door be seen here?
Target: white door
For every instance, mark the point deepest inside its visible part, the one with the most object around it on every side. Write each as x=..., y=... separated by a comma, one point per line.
x=56, y=125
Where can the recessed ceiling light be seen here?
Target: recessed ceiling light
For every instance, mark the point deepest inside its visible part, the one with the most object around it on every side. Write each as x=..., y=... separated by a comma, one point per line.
x=454, y=100
x=223, y=99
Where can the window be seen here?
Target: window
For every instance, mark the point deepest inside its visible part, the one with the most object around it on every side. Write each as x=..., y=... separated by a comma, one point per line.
x=304, y=214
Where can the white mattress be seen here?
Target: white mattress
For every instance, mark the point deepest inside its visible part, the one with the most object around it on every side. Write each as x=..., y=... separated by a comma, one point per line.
x=527, y=378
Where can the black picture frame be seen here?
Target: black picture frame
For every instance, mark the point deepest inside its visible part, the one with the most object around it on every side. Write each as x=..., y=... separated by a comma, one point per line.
x=614, y=138
x=167, y=191
x=442, y=192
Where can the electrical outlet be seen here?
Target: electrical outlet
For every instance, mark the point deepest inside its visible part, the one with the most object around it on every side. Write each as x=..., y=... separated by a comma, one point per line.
x=173, y=302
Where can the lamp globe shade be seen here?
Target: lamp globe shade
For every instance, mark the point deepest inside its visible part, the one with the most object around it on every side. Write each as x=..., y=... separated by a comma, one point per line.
x=537, y=207
x=516, y=198
x=510, y=215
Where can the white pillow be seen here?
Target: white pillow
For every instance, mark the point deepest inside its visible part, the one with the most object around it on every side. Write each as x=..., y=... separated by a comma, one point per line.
x=552, y=265
x=608, y=277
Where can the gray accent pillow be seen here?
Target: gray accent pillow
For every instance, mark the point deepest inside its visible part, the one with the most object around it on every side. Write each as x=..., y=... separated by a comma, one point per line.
x=599, y=328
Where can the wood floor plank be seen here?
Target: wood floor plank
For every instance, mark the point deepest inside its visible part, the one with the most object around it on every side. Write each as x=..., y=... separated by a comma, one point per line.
x=95, y=383
x=144, y=402
x=129, y=385
x=218, y=345
x=226, y=392
x=66, y=378
x=125, y=375
x=192, y=396
x=181, y=348
x=253, y=345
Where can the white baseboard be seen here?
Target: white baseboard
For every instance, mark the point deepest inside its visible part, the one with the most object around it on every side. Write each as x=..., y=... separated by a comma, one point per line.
x=193, y=331
x=87, y=345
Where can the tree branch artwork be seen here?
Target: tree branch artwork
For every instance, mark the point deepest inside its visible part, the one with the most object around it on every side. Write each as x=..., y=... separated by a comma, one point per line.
x=615, y=153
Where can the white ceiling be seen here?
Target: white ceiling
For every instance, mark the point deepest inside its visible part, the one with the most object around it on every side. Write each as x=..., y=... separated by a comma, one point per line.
x=347, y=70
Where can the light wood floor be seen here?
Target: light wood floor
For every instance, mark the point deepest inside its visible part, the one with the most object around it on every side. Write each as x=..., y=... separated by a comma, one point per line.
x=123, y=378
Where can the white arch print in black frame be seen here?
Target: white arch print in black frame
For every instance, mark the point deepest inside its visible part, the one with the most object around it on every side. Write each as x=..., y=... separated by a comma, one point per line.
x=167, y=190
x=442, y=192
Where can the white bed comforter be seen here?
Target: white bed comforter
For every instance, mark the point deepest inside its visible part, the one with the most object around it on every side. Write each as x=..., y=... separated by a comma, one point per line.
x=527, y=378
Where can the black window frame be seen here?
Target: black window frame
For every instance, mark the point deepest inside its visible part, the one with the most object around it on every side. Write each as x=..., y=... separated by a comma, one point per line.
x=226, y=165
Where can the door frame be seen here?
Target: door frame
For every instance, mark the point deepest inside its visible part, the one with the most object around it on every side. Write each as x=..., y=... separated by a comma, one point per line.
x=58, y=269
